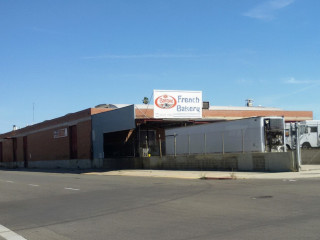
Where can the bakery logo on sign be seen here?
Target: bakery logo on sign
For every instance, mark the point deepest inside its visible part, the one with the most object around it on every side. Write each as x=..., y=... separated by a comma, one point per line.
x=166, y=102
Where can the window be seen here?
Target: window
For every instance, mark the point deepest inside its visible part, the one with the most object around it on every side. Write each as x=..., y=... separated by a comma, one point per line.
x=313, y=129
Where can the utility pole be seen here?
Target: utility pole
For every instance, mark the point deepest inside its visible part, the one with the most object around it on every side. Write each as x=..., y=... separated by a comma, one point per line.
x=32, y=113
x=298, y=150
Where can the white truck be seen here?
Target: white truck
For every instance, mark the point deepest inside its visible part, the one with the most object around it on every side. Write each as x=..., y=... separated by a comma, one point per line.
x=257, y=134
x=309, y=134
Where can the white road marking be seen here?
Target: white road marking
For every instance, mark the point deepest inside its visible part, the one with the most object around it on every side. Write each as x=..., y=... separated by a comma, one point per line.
x=10, y=181
x=7, y=234
x=74, y=189
x=33, y=185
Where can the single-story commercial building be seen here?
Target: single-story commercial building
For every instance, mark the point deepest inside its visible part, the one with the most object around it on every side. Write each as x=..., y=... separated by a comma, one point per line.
x=86, y=139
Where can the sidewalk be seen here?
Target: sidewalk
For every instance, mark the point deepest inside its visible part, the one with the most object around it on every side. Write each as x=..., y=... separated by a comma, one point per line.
x=307, y=171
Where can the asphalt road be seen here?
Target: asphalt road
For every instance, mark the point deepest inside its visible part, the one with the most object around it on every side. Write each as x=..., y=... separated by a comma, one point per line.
x=40, y=206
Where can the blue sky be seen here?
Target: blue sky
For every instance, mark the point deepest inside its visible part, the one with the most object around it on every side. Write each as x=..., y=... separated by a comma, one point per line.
x=62, y=56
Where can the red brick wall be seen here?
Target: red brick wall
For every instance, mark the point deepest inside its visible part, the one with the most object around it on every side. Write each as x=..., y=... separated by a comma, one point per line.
x=288, y=115
x=84, y=140
x=61, y=120
x=233, y=114
x=20, y=149
x=43, y=146
x=144, y=113
x=7, y=147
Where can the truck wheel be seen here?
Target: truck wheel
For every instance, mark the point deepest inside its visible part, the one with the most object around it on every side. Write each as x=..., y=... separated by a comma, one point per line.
x=306, y=145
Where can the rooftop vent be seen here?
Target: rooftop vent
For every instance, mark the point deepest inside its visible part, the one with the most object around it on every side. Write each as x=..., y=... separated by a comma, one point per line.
x=249, y=102
x=106, y=106
x=205, y=105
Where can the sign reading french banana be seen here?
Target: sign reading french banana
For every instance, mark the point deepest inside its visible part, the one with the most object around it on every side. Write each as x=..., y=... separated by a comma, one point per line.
x=177, y=104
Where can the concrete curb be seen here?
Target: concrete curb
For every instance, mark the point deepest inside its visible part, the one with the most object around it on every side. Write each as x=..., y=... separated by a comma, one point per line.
x=307, y=171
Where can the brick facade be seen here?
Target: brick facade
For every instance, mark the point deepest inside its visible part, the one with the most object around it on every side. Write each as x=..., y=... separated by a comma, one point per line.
x=238, y=114
x=41, y=144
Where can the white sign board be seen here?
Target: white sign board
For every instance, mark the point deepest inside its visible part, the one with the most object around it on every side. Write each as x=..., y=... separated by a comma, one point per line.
x=60, y=133
x=177, y=104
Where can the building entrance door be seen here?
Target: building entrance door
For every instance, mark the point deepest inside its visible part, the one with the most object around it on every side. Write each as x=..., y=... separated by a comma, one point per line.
x=73, y=142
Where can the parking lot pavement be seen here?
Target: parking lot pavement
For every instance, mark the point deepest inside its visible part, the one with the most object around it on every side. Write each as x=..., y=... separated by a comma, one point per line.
x=307, y=171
